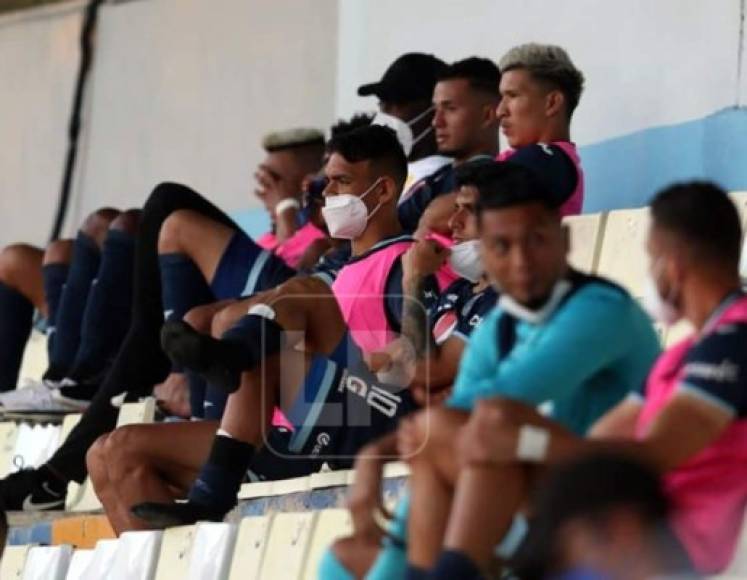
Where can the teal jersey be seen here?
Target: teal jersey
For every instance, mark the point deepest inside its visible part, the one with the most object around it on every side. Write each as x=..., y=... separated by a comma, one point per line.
x=596, y=347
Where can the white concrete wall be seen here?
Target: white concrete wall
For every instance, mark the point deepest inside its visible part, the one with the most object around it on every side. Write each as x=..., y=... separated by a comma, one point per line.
x=38, y=63
x=183, y=90
x=646, y=62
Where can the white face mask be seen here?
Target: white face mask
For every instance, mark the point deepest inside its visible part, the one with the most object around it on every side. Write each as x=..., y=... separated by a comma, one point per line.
x=466, y=261
x=346, y=215
x=659, y=308
x=511, y=306
x=403, y=129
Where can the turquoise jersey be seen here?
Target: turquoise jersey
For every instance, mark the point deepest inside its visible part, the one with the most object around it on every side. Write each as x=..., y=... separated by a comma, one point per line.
x=586, y=356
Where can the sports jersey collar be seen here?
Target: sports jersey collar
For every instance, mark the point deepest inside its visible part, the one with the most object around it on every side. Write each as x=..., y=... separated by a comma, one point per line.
x=380, y=245
x=730, y=299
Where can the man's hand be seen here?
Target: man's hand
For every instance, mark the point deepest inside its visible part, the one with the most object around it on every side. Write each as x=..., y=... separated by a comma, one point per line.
x=491, y=434
x=423, y=258
x=436, y=216
x=270, y=188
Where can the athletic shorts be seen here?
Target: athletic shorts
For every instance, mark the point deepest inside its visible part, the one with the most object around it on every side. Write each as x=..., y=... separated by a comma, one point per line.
x=338, y=410
x=245, y=269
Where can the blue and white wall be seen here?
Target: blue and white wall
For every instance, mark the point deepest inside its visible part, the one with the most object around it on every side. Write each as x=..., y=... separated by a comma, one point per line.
x=184, y=89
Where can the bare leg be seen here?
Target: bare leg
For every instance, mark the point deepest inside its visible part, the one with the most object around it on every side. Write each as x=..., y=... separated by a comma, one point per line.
x=434, y=471
x=141, y=463
x=191, y=233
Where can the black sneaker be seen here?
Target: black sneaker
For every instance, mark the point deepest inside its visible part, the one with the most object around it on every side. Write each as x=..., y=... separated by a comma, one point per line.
x=219, y=362
x=32, y=490
x=166, y=515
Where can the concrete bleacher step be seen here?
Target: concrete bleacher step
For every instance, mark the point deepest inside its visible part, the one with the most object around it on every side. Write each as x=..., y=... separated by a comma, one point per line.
x=174, y=555
x=137, y=556
x=251, y=542
x=79, y=564
x=586, y=239
x=623, y=255
x=35, y=359
x=212, y=550
x=288, y=543
x=331, y=525
x=14, y=561
x=47, y=562
x=82, y=531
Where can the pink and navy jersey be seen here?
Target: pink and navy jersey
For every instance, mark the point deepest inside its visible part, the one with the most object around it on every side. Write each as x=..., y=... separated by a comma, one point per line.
x=559, y=166
x=459, y=310
x=361, y=289
x=292, y=249
x=709, y=491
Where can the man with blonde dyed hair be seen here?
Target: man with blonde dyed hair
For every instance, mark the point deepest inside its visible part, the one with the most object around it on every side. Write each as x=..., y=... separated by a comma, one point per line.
x=540, y=89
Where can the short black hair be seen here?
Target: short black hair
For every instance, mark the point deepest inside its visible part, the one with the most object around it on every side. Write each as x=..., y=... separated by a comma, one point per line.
x=702, y=216
x=374, y=143
x=481, y=73
x=591, y=488
x=346, y=125
x=501, y=185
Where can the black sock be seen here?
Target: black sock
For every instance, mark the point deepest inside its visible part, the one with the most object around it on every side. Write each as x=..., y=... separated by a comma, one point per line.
x=57, y=484
x=415, y=573
x=16, y=313
x=83, y=270
x=221, y=476
x=54, y=276
x=109, y=308
x=197, y=390
x=455, y=564
x=182, y=286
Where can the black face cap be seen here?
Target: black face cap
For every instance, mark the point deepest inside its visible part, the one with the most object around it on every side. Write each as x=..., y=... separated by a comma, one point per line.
x=409, y=78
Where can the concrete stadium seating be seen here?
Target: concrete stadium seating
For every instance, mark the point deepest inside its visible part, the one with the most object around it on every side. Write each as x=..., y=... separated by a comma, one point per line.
x=280, y=529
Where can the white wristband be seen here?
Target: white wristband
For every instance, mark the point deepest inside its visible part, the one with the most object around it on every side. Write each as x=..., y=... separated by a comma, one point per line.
x=533, y=443
x=286, y=204
x=264, y=310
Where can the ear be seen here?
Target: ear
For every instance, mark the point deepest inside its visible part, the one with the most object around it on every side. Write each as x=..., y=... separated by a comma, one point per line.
x=554, y=103
x=490, y=114
x=390, y=191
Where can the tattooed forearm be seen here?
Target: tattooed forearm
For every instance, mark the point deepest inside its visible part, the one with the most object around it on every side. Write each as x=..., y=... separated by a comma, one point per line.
x=415, y=317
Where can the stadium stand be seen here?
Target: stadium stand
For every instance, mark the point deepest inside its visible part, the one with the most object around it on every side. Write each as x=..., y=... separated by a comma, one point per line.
x=280, y=528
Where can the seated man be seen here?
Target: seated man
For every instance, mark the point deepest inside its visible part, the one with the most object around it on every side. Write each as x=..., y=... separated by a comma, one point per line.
x=115, y=459
x=173, y=220
x=597, y=517
x=539, y=90
x=405, y=92
x=574, y=343
x=687, y=422
x=75, y=285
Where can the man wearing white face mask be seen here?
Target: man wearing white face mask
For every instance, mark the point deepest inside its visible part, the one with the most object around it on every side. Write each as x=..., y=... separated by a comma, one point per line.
x=556, y=335
x=333, y=401
x=688, y=420
x=404, y=94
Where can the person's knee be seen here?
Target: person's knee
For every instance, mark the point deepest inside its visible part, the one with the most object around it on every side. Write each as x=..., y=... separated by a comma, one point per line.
x=16, y=260
x=200, y=318
x=436, y=427
x=123, y=450
x=58, y=252
x=127, y=221
x=96, y=462
x=97, y=224
x=175, y=230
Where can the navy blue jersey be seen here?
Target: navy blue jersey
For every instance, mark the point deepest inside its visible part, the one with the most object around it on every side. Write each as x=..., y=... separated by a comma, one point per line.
x=459, y=310
x=716, y=368
x=424, y=192
x=552, y=166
